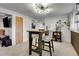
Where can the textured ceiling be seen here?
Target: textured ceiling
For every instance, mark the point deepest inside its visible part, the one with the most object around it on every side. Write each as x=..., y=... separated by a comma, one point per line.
x=27, y=9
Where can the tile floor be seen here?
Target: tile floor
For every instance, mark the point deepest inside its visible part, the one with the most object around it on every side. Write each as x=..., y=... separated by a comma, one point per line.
x=61, y=49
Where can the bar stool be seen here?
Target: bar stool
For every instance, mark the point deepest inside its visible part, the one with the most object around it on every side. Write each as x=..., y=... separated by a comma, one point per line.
x=35, y=36
x=35, y=39
x=48, y=40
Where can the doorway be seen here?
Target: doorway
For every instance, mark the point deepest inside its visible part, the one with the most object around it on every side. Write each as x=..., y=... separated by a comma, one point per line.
x=19, y=29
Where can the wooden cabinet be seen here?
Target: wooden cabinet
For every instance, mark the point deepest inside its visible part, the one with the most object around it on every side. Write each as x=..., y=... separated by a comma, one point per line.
x=57, y=36
x=75, y=41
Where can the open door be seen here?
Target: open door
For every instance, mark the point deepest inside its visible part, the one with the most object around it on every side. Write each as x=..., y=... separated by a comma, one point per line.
x=19, y=29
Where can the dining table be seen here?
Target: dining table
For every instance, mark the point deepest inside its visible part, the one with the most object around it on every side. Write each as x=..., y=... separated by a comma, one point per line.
x=39, y=49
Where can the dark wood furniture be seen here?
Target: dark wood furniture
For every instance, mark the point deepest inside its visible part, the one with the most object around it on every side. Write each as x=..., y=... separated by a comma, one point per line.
x=75, y=41
x=48, y=40
x=49, y=45
x=6, y=41
x=57, y=36
x=39, y=49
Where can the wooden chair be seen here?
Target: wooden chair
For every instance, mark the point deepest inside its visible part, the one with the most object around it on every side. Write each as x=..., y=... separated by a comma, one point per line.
x=35, y=37
x=48, y=39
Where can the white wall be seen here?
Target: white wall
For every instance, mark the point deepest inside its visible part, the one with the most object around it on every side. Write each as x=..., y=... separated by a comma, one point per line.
x=38, y=24
x=1, y=22
x=26, y=24
x=65, y=31
x=8, y=31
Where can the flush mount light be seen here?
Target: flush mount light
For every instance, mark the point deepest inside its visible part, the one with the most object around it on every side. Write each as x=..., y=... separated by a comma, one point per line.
x=41, y=8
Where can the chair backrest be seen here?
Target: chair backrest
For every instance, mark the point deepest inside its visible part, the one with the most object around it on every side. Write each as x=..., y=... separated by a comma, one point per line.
x=50, y=34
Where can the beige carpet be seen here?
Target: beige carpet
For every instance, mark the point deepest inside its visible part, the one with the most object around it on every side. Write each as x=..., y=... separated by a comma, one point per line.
x=61, y=49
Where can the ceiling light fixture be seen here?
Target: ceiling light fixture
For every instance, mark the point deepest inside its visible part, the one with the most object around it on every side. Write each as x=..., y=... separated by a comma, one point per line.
x=41, y=8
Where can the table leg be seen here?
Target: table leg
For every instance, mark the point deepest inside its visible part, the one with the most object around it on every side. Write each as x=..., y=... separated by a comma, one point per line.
x=52, y=46
x=30, y=43
x=40, y=44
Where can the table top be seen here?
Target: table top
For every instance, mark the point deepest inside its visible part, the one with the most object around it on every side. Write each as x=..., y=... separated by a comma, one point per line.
x=36, y=31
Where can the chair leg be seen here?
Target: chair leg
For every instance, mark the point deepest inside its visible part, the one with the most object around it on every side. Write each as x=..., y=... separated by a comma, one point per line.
x=50, y=49
x=43, y=44
x=52, y=45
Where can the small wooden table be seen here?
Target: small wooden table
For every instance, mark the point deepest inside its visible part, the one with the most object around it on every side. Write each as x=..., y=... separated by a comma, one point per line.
x=39, y=51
